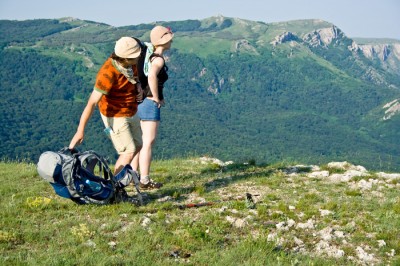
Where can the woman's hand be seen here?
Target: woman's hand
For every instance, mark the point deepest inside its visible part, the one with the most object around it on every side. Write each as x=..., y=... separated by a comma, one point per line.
x=157, y=101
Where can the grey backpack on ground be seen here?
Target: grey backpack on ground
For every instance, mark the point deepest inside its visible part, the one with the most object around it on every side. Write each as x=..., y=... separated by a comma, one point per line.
x=85, y=177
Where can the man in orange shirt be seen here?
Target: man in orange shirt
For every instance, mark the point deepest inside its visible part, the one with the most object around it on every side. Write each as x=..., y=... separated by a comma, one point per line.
x=115, y=93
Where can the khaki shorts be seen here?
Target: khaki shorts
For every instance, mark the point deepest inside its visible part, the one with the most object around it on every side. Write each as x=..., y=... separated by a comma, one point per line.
x=125, y=133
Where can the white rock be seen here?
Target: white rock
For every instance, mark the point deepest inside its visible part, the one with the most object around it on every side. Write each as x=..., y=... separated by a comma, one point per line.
x=127, y=226
x=339, y=234
x=146, y=221
x=248, y=218
x=291, y=223
x=239, y=223
x=339, y=253
x=90, y=243
x=272, y=236
x=308, y=225
x=339, y=165
x=388, y=176
x=359, y=168
x=205, y=160
x=222, y=209
x=323, y=247
x=165, y=199
x=381, y=243
x=364, y=256
x=325, y=234
x=347, y=176
x=298, y=242
x=230, y=219
x=325, y=212
x=365, y=185
x=282, y=226
x=392, y=253
x=315, y=168
x=318, y=174
x=112, y=244
x=255, y=212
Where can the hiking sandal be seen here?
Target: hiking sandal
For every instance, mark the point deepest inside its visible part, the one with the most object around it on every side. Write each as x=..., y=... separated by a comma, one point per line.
x=150, y=185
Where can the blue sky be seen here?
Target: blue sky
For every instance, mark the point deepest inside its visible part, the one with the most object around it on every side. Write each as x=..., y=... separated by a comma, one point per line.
x=356, y=18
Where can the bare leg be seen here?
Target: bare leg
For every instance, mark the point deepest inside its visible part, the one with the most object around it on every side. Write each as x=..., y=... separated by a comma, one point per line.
x=135, y=162
x=123, y=160
x=149, y=133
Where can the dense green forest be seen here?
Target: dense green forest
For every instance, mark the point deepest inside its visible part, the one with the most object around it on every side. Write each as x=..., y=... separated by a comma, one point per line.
x=273, y=103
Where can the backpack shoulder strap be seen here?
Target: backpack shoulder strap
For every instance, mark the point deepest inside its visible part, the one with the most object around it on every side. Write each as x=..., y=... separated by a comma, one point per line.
x=156, y=55
x=90, y=159
x=147, y=58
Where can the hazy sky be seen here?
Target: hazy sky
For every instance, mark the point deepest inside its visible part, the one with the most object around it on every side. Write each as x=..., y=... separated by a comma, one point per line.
x=356, y=18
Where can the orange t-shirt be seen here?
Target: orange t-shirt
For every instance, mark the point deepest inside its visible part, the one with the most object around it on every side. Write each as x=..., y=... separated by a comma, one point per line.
x=119, y=98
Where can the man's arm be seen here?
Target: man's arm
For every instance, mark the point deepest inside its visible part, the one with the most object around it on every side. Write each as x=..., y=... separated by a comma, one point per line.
x=86, y=114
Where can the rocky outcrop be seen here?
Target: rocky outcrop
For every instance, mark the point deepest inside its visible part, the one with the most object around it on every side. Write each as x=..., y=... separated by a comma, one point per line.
x=216, y=86
x=391, y=109
x=300, y=214
x=284, y=37
x=380, y=51
x=323, y=37
x=387, y=53
x=371, y=51
x=356, y=176
x=202, y=72
x=244, y=45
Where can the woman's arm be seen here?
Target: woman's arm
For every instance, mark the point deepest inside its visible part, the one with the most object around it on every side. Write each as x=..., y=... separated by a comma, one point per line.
x=156, y=66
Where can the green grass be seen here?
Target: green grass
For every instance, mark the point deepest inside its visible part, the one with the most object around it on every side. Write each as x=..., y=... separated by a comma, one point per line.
x=189, y=44
x=39, y=228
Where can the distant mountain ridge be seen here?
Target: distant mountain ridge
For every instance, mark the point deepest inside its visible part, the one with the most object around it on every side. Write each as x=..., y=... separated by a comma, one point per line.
x=238, y=89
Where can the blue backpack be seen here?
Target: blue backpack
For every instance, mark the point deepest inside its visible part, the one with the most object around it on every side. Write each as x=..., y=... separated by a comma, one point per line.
x=85, y=177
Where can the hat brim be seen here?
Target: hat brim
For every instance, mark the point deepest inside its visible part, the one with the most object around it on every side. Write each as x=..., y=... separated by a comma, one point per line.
x=134, y=55
x=165, y=39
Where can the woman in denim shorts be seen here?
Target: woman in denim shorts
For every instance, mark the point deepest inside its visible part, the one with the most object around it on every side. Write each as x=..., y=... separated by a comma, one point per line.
x=149, y=109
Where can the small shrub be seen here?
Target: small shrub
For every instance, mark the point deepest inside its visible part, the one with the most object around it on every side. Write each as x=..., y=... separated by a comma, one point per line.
x=200, y=189
x=272, y=197
x=82, y=232
x=332, y=206
x=353, y=193
x=6, y=237
x=38, y=202
x=396, y=207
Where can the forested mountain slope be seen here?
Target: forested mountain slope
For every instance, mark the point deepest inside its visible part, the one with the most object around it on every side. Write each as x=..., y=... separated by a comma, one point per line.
x=238, y=90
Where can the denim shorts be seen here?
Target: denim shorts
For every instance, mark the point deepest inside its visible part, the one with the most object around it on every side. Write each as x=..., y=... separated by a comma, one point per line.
x=148, y=111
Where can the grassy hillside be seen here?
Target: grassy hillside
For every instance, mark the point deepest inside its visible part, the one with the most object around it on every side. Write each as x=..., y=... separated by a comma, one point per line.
x=301, y=215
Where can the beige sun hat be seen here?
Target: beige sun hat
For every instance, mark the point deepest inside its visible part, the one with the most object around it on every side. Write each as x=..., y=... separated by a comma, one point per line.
x=160, y=35
x=127, y=47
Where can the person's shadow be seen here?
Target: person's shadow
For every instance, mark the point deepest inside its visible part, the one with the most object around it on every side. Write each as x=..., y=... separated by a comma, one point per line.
x=224, y=177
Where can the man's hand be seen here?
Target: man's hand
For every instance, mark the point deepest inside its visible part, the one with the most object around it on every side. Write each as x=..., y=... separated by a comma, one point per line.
x=140, y=93
x=76, y=140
